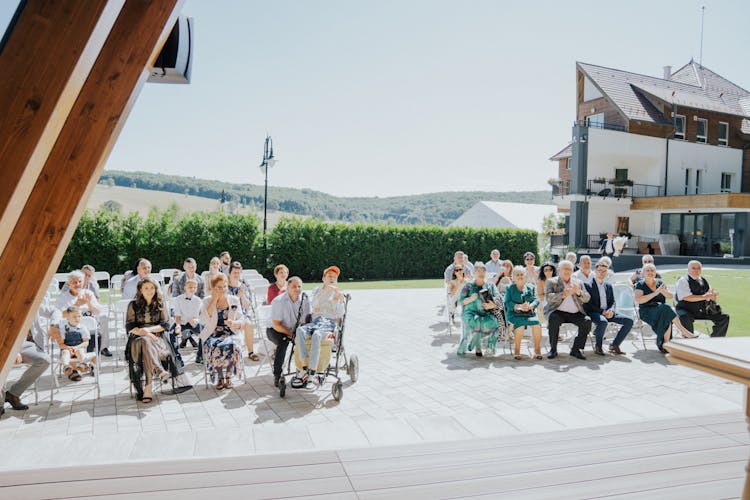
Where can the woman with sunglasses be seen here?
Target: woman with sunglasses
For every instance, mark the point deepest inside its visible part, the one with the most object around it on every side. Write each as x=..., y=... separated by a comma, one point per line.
x=456, y=283
x=546, y=271
x=532, y=272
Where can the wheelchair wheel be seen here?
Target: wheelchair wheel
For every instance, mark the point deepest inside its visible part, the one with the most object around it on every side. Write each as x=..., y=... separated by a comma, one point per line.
x=282, y=387
x=337, y=391
x=353, y=368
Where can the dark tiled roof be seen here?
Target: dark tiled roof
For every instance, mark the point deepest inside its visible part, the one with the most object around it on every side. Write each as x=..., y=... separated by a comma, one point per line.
x=565, y=152
x=693, y=86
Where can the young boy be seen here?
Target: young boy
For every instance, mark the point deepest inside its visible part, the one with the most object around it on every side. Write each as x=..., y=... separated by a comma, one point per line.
x=73, y=342
x=187, y=308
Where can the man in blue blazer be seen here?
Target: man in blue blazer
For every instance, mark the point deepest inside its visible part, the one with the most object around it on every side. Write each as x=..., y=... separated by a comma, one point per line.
x=601, y=309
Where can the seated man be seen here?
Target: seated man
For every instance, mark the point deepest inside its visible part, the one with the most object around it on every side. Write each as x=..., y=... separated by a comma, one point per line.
x=85, y=300
x=493, y=265
x=601, y=309
x=327, y=307
x=143, y=269
x=565, y=298
x=178, y=285
x=187, y=309
x=73, y=343
x=693, y=293
x=458, y=259
x=584, y=273
x=32, y=353
x=288, y=311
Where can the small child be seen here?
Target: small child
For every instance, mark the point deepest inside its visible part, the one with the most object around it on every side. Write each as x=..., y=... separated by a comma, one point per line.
x=73, y=343
x=187, y=308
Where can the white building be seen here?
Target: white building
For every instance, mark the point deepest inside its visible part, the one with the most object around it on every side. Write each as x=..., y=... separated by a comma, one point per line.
x=501, y=215
x=658, y=156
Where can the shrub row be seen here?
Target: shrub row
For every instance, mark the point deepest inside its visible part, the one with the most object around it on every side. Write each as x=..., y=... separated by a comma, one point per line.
x=110, y=241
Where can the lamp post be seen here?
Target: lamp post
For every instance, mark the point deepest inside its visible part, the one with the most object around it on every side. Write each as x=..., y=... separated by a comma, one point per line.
x=268, y=162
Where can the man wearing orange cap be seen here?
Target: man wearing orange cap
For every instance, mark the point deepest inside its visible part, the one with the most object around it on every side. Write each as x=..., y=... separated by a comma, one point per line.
x=327, y=306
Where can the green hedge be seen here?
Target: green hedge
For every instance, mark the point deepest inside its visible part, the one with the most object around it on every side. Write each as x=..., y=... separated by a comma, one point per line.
x=112, y=242
x=387, y=252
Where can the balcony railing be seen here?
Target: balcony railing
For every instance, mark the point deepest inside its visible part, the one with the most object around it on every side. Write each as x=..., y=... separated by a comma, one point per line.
x=560, y=188
x=558, y=240
x=606, y=126
x=622, y=189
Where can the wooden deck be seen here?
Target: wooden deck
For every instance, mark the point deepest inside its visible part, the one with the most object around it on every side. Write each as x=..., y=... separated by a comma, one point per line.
x=700, y=458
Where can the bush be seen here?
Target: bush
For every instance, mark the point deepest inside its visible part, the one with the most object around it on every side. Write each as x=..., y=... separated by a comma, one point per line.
x=386, y=252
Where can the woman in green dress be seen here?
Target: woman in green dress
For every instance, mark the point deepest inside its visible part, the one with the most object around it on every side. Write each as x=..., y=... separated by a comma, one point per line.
x=651, y=294
x=521, y=302
x=480, y=323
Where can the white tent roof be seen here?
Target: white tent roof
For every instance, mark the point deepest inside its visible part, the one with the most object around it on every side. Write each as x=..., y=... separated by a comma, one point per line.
x=501, y=215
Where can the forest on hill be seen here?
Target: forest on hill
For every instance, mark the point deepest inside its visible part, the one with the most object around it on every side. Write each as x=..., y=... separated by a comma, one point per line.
x=433, y=208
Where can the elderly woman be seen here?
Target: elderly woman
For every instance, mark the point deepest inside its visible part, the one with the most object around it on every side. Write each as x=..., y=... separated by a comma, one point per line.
x=651, y=294
x=149, y=346
x=281, y=273
x=479, y=298
x=222, y=316
x=520, y=309
x=214, y=268
x=76, y=294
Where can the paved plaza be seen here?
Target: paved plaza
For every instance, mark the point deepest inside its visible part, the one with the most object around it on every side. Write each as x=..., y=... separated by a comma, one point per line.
x=412, y=388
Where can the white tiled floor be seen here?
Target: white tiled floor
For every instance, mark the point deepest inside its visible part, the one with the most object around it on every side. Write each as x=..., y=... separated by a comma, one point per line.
x=412, y=388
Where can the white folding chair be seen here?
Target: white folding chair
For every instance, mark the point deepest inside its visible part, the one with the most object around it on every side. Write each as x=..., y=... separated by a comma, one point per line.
x=626, y=306
x=91, y=325
x=262, y=322
x=54, y=288
x=166, y=274
x=121, y=310
x=61, y=277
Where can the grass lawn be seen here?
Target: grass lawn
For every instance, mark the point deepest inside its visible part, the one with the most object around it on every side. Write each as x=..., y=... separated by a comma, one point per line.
x=732, y=287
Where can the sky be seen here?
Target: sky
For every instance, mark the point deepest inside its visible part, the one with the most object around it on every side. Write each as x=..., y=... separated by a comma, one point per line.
x=397, y=97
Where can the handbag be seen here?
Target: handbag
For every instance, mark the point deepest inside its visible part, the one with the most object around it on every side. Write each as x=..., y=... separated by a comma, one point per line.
x=712, y=308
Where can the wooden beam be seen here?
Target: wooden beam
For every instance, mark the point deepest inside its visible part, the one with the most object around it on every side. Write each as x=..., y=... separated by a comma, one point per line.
x=54, y=207
x=44, y=65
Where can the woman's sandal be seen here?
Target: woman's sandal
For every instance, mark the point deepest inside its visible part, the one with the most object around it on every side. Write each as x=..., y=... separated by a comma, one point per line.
x=74, y=376
x=219, y=385
x=538, y=356
x=147, y=399
x=253, y=357
x=228, y=384
x=479, y=354
x=517, y=357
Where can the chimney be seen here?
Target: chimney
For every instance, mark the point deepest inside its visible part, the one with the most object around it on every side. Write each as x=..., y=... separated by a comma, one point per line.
x=667, y=72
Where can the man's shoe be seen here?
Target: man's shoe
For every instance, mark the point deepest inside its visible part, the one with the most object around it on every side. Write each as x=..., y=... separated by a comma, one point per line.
x=576, y=353
x=615, y=349
x=15, y=402
x=105, y=352
x=598, y=350
x=199, y=360
x=192, y=342
x=276, y=381
x=552, y=355
x=183, y=343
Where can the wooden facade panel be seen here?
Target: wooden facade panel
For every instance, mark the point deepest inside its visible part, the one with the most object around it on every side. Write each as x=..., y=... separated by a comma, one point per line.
x=745, y=188
x=49, y=218
x=729, y=201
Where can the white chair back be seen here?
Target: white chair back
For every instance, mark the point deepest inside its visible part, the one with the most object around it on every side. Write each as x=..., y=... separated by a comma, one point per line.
x=250, y=274
x=90, y=323
x=115, y=282
x=166, y=274
x=102, y=276
x=156, y=277
x=61, y=277
x=264, y=318
x=54, y=287
x=261, y=293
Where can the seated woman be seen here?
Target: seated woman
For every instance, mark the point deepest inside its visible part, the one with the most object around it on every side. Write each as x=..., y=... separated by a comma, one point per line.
x=214, y=269
x=480, y=323
x=281, y=273
x=521, y=302
x=546, y=271
x=222, y=318
x=504, y=277
x=651, y=294
x=149, y=347
x=237, y=287
x=455, y=285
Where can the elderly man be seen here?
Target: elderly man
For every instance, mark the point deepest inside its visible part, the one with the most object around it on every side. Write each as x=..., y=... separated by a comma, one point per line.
x=143, y=269
x=178, y=287
x=32, y=353
x=288, y=311
x=584, y=272
x=327, y=307
x=601, y=309
x=458, y=259
x=565, y=298
x=493, y=265
x=76, y=295
x=692, y=294
x=572, y=257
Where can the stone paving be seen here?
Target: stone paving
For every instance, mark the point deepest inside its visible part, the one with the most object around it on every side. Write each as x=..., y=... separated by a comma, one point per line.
x=412, y=388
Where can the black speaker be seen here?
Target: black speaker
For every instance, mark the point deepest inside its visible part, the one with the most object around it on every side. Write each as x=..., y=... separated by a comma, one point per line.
x=174, y=63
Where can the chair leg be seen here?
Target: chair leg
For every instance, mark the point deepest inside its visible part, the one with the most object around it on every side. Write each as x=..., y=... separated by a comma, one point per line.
x=268, y=357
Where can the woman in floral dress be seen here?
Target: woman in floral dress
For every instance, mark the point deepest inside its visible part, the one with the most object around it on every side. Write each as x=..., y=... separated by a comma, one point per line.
x=480, y=323
x=222, y=315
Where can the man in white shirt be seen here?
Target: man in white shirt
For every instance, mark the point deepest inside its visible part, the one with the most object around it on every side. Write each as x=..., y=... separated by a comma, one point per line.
x=608, y=245
x=131, y=286
x=694, y=294
x=601, y=309
x=584, y=272
x=493, y=265
x=288, y=311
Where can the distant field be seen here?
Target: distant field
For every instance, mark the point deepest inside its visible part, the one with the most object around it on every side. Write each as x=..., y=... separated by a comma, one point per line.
x=141, y=201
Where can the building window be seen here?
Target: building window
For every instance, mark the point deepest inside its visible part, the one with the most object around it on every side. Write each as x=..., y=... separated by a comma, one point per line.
x=568, y=164
x=623, y=225
x=596, y=120
x=621, y=174
x=723, y=134
x=688, y=171
x=701, y=130
x=697, y=181
x=679, y=127
x=726, y=182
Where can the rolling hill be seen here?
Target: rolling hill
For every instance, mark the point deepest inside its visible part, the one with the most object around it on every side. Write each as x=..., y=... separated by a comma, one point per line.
x=433, y=208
